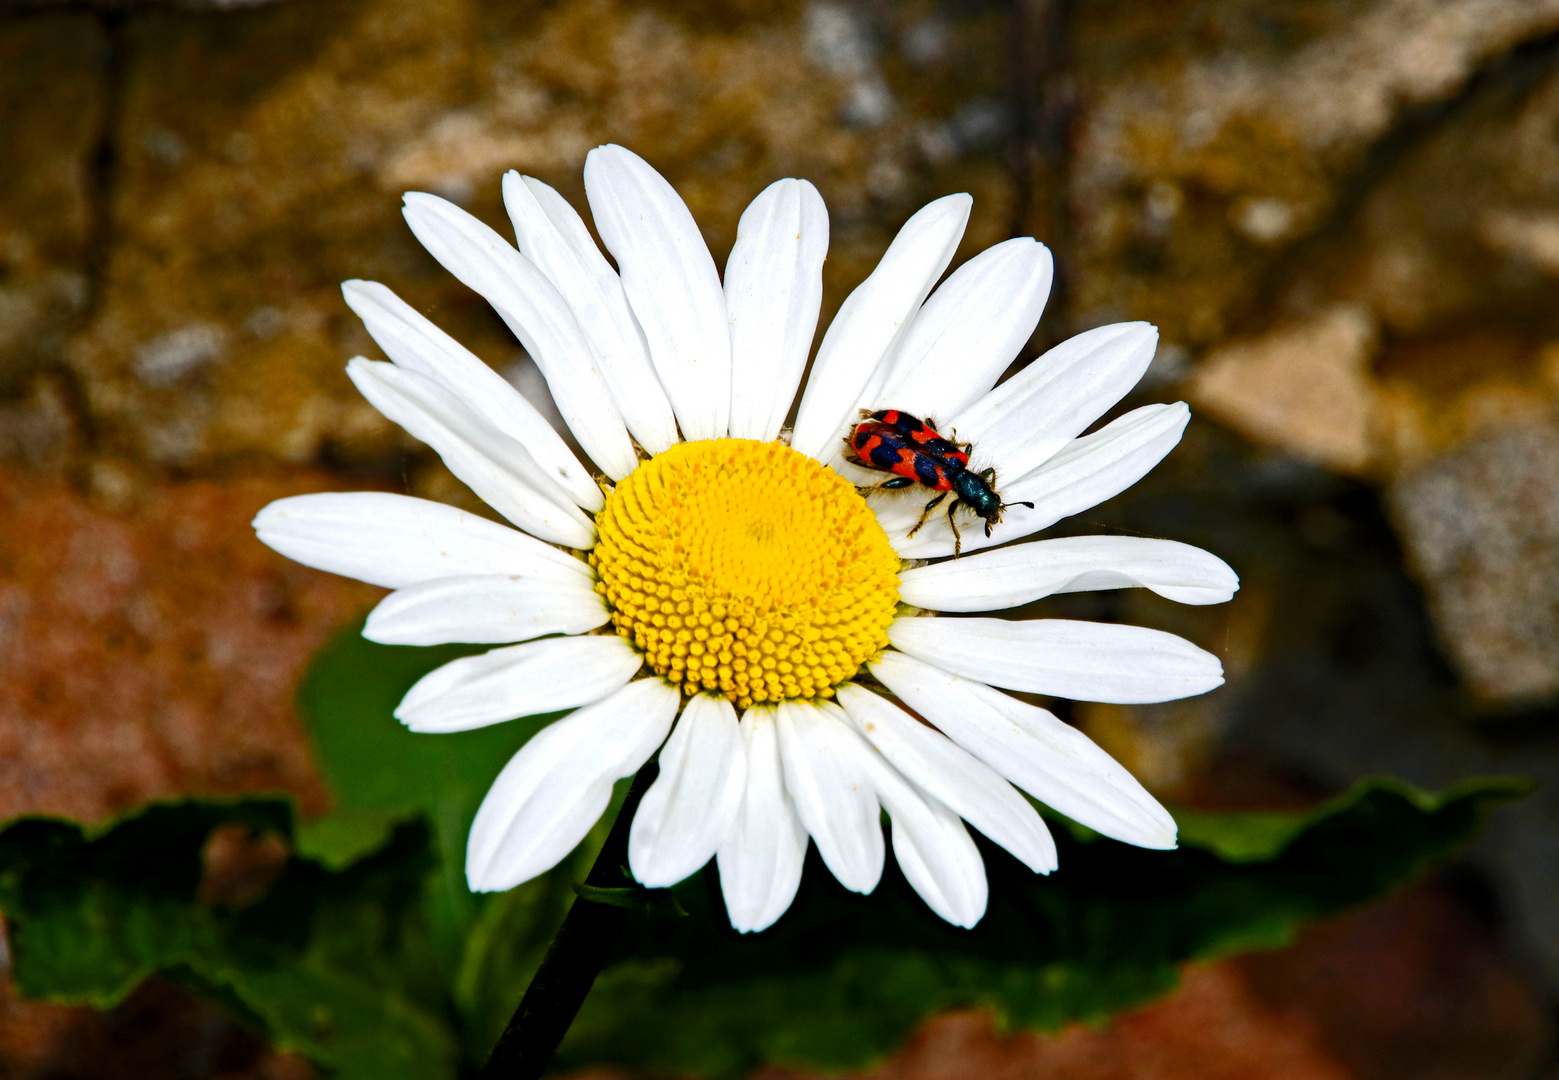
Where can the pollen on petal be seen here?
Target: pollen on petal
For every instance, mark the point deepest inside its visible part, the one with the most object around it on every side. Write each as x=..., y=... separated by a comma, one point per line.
x=747, y=569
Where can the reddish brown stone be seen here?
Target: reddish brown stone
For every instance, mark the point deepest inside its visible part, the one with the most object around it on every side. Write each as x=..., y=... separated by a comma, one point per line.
x=155, y=653
x=1412, y=989
x=143, y=655
x=159, y=1031
x=1213, y=1028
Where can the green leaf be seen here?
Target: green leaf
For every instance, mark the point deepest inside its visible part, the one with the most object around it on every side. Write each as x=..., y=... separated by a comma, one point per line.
x=842, y=979
x=380, y=774
x=369, y=956
x=1255, y=836
x=332, y=964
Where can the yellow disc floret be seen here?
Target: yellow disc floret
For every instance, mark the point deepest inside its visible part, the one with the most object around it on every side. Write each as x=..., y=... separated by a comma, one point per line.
x=746, y=568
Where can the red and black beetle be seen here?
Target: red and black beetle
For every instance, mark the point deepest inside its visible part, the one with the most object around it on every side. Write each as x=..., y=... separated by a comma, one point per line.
x=896, y=442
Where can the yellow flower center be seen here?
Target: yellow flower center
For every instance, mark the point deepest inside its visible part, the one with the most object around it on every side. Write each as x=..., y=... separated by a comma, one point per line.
x=747, y=568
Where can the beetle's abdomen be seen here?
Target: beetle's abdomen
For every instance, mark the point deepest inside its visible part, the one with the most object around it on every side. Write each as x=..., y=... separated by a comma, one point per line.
x=880, y=446
x=923, y=437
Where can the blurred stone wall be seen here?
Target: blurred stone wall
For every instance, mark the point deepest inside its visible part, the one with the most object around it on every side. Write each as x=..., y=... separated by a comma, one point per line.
x=1342, y=214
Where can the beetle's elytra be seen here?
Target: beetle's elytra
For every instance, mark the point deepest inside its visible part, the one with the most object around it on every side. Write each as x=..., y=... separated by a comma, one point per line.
x=911, y=448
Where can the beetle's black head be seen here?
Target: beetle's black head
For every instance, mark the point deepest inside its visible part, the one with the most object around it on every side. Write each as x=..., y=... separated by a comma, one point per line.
x=995, y=519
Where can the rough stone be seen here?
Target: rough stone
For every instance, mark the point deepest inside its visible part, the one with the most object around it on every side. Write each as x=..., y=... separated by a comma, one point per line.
x=39, y=428
x=1345, y=217
x=52, y=101
x=119, y=6
x=1447, y=251
x=1213, y=137
x=236, y=213
x=1462, y=227
x=1413, y=337
x=1451, y=251
x=1481, y=528
x=1304, y=389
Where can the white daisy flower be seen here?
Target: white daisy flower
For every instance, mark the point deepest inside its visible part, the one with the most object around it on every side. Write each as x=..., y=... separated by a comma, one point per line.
x=714, y=586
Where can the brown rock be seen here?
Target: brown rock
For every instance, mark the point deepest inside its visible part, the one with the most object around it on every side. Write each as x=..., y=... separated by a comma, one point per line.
x=1212, y=1028
x=40, y=428
x=1481, y=528
x=1452, y=251
x=1437, y=393
x=237, y=212
x=1463, y=226
x=1411, y=988
x=1215, y=136
x=1304, y=389
x=157, y=653
x=158, y=1031
x=1449, y=253
x=51, y=118
x=118, y=6
x=1164, y=746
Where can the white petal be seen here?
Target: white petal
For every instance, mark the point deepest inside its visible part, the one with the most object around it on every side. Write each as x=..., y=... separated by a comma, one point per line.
x=487, y=461
x=413, y=342
x=761, y=857
x=671, y=282
x=953, y=776
x=539, y=317
x=932, y=847
x=553, y=236
x=395, y=540
x=968, y=332
x=773, y=291
x=688, y=812
x=1025, y=572
x=1025, y=420
x=558, y=785
x=825, y=774
x=873, y=319
x=521, y=680
x=1052, y=761
x=1085, y=661
x=487, y=609
x=1087, y=472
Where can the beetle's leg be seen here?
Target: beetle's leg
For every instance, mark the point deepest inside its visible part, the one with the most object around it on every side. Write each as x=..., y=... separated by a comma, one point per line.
x=926, y=513
x=958, y=540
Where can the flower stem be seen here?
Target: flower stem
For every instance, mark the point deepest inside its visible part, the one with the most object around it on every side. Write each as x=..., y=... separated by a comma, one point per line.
x=578, y=952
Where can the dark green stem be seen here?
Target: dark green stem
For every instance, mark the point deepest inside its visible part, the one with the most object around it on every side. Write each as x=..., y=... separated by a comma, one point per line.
x=579, y=950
